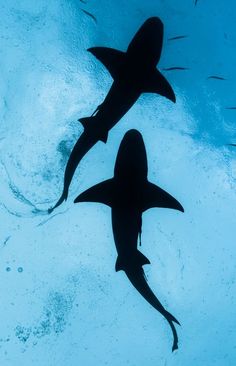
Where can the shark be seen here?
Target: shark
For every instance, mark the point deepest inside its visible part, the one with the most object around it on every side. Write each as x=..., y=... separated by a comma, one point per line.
x=134, y=72
x=129, y=194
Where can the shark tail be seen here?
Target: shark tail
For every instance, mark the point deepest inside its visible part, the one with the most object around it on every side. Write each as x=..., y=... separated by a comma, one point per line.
x=137, y=278
x=59, y=202
x=175, y=336
x=85, y=142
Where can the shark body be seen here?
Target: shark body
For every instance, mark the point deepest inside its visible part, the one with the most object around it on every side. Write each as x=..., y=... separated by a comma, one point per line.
x=134, y=72
x=129, y=194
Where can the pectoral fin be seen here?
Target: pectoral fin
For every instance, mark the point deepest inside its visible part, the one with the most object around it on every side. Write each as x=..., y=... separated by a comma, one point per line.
x=154, y=196
x=101, y=193
x=157, y=83
x=112, y=59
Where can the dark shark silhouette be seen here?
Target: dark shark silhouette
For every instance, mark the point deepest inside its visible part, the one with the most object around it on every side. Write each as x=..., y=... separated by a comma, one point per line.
x=129, y=194
x=134, y=72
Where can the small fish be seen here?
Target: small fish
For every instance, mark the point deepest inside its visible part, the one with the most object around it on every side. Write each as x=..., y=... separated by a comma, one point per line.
x=90, y=15
x=82, y=1
x=231, y=145
x=177, y=37
x=175, y=68
x=216, y=77
x=231, y=108
x=6, y=240
x=196, y=1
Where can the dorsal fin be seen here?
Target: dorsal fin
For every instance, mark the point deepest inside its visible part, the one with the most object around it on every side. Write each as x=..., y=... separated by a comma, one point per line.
x=101, y=193
x=112, y=59
x=154, y=196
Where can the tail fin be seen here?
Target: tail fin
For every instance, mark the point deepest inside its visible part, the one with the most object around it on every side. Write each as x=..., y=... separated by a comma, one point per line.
x=137, y=261
x=138, y=280
x=171, y=318
x=59, y=202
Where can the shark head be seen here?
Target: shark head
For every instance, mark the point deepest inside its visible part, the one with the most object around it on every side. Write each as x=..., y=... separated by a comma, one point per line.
x=131, y=162
x=146, y=45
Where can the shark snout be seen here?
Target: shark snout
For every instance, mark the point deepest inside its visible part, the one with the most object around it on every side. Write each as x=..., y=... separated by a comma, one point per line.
x=133, y=136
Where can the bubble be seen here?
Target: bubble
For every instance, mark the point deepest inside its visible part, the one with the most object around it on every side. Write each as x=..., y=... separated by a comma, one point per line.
x=20, y=269
x=8, y=269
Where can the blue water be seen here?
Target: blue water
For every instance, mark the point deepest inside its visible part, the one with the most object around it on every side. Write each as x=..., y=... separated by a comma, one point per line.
x=61, y=301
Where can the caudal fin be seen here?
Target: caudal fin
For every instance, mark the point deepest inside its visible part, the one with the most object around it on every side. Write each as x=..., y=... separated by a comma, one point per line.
x=175, y=336
x=171, y=318
x=137, y=278
x=59, y=202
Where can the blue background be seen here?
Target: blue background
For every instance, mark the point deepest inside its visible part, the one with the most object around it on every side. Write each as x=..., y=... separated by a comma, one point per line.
x=61, y=301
